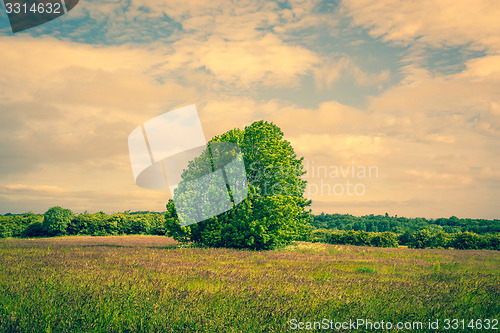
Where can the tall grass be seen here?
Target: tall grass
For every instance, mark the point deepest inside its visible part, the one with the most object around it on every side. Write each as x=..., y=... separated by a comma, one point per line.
x=147, y=284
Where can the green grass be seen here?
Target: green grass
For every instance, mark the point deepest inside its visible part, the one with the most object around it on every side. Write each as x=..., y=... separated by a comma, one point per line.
x=147, y=284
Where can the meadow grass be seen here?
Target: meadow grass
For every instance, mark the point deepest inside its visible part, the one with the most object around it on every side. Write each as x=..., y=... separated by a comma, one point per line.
x=149, y=284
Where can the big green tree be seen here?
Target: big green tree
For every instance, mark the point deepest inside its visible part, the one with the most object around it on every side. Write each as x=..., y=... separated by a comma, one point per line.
x=274, y=211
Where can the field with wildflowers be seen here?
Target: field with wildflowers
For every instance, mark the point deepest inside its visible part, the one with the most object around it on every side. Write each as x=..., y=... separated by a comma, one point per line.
x=150, y=284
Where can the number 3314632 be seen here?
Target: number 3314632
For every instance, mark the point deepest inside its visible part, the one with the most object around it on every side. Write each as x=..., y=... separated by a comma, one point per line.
x=17, y=8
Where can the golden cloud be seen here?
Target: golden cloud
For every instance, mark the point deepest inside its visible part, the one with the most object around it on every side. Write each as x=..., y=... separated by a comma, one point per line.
x=435, y=23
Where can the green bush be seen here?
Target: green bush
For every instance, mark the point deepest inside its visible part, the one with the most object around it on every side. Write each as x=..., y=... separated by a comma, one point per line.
x=139, y=225
x=385, y=239
x=320, y=236
x=5, y=231
x=420, y=239
x=156, y=224
x=336, y=237
x=359, y=238
x=56, y=221
x=404, y=238
x=466, y=241
x=34, y=230
x=441, y=240
x=491, y=242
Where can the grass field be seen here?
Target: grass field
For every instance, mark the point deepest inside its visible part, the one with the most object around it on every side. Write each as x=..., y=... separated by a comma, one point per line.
x=148, y=284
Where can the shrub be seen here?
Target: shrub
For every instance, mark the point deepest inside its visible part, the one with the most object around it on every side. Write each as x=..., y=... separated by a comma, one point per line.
x=34, y=230
x=491, y=242
x=385, y=239
x=440, y=240
x=320, y=236
x=420, y=239
x=466, y=240
x=139, y=225
x=56, y=220
x=5, y=231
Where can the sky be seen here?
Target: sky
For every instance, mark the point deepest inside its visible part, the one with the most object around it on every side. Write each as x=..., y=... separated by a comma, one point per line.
x=394, y=105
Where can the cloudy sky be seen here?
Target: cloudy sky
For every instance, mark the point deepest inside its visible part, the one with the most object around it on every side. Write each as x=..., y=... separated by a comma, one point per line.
x=409, y=89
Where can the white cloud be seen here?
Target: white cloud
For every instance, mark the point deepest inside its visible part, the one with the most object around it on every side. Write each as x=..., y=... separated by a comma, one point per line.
x=430, y=179
x=265, y=60
x=228, y=44
x=331, y=71
x=429, y=22
x=77, y=102
x=38, y=189
x=342, y=148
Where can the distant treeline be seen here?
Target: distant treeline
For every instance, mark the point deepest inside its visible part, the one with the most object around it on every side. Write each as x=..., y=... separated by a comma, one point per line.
x=369, y=230
x=401, y=225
